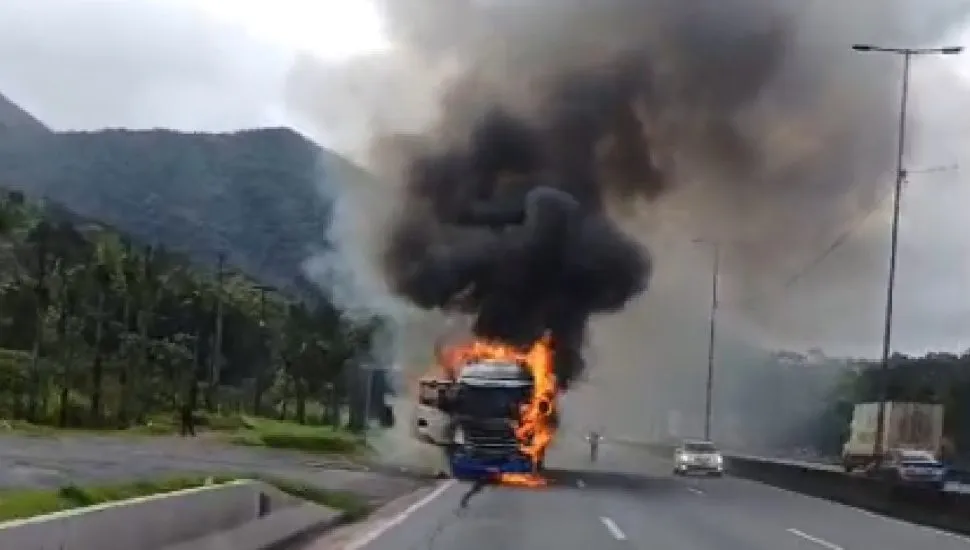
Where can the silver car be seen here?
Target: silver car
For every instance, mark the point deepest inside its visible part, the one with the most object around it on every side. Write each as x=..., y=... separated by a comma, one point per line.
x=698, y=456
x=914, y=467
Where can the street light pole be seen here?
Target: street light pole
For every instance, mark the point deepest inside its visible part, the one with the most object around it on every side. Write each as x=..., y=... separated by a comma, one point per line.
x=709, y=388
x=883, y=378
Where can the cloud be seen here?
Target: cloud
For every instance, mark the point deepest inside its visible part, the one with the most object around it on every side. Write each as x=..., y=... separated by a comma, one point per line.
x=86, y=65
x=840, y=303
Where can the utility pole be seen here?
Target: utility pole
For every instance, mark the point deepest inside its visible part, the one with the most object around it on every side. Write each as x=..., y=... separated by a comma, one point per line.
x=883, y=378
x=711, y=342
x=215, y=355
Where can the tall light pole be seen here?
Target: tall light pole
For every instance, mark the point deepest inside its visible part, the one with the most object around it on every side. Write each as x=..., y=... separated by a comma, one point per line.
x=883, y=378
x=709, y=388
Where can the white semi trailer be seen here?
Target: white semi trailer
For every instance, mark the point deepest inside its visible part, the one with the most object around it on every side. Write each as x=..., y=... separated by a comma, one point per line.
x=909, y=426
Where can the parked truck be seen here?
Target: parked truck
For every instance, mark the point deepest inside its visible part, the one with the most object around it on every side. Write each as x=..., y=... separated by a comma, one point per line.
x=906, y=426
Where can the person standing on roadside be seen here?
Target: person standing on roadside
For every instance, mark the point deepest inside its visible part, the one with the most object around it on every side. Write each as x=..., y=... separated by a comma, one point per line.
x=187, y=421
x=593, y=438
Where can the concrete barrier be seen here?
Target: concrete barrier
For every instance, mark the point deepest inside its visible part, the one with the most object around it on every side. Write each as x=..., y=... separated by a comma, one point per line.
x=147, y=523
x=276, y=531
x=927, y=506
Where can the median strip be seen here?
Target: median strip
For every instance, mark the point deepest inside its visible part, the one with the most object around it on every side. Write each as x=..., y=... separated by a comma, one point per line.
x=253, y=513
x=19, y=504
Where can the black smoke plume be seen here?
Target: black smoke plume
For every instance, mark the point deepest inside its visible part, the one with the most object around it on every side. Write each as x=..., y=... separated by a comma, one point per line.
x=745, y=120
x=509, y=225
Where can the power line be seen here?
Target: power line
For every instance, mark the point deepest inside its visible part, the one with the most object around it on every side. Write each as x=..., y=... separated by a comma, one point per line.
x=853, y=225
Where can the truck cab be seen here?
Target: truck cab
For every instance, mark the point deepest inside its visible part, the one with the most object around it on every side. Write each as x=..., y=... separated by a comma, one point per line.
x=474, y=417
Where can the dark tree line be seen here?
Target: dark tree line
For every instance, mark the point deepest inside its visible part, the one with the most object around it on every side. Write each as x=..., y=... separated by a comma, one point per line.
x=98, y=331
x=793, y=401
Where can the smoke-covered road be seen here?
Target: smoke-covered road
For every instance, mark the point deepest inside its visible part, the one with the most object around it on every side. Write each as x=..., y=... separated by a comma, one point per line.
x=642, y=507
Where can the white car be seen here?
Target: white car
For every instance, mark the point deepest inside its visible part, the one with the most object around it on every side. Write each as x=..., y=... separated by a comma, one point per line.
x=913, y=467
x=698, y=456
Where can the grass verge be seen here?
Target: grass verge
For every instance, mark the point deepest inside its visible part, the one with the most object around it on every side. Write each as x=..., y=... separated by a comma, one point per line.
x=355, y=507
x=157, y=425
x=17, y=504
x=262, y=432
x=237, y=429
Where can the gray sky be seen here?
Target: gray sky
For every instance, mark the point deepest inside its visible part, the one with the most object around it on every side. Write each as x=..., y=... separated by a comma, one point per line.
x=932, y=309
x=201, y=65
x=186, y=64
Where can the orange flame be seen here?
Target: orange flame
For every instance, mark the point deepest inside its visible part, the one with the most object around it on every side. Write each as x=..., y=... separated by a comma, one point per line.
x=535, y=429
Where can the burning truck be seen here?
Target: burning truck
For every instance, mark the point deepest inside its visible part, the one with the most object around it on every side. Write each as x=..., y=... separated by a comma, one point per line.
x=509, y=229
x=492, y=408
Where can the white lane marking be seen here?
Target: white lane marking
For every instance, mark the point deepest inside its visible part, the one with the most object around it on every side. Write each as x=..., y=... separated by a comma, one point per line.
x=613, y=529
x=927, y=528
x=887, y=519
x=580, y=483
x=816, y=540
x=382, y=528
x=695, y=490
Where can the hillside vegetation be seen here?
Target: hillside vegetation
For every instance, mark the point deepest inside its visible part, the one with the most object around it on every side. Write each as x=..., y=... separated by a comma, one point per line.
x=99, y=332
x=259, y=196
x=112, y=308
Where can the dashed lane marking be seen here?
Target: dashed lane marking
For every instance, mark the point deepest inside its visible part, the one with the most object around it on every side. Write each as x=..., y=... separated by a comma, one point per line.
x=816, y=540
x=613, y=528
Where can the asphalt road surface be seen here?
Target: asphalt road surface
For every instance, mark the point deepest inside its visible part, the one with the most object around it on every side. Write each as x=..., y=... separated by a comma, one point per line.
x=630, y=500
x=48, y=462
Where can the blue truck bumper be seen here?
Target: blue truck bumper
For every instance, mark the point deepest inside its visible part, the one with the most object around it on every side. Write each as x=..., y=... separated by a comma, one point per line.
x=469, y=467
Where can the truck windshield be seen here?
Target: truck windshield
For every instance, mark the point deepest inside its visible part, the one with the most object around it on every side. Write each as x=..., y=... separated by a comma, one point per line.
x=495, y=371
x=919, y=456
x=486, y=402
x=700, y=447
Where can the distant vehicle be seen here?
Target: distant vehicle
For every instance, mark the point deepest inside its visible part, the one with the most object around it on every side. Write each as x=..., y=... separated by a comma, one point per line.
x=913, y=467
x=698, y=456
x=912, y=426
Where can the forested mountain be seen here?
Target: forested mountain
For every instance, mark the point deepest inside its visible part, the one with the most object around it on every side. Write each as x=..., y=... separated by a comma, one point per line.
x=105, y=315
x=14, y=120
x=256, y=195
x=95, y=330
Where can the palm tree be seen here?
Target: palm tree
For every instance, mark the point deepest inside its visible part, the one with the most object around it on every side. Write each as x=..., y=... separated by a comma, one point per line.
x=107, y=273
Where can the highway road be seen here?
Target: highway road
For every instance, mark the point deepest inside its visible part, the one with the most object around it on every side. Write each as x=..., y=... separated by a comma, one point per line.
x=629, y=500
x=51, y=462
